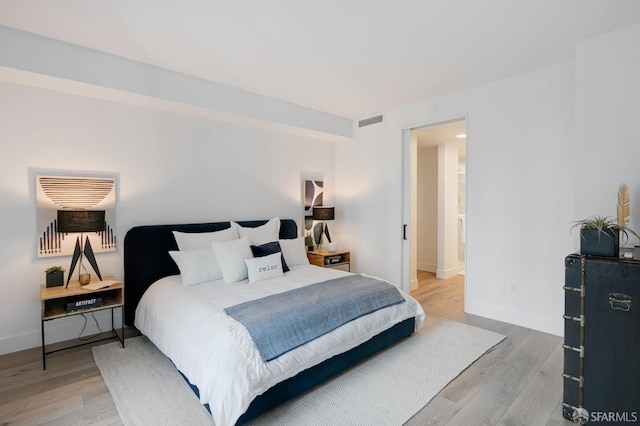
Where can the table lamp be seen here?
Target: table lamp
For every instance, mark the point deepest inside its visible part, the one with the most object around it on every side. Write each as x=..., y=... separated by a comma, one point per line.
x=324, y=214
x=80, y=221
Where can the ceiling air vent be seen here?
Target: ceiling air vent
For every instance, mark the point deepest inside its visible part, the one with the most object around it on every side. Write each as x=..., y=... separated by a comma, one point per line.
x=369, y=121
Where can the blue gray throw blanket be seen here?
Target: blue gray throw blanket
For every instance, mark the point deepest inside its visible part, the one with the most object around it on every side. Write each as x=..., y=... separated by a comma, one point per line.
x=284, y=321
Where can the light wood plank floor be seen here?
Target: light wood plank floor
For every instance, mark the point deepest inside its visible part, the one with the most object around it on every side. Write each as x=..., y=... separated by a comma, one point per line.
x=518, y=383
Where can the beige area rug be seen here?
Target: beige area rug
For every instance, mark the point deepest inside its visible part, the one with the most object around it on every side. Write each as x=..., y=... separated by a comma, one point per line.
x=387, y=389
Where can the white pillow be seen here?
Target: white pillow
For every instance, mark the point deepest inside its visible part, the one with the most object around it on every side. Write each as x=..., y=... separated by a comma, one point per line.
x=264, y=268
x=262, y=234
x=231, y=256
x=197, y=266
x=199, y=240
x=294, y=251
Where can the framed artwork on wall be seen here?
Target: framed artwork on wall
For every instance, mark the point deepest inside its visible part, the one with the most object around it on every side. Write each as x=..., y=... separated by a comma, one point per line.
x=73, y=193
x=313, y=191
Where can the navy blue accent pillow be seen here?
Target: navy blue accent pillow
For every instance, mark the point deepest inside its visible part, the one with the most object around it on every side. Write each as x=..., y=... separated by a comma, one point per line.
x=267, y=249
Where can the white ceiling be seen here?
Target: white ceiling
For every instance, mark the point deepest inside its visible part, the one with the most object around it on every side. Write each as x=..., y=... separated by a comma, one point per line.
x=353, y=58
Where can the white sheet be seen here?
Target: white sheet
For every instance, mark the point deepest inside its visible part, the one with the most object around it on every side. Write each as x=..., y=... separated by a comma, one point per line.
x=179, y=320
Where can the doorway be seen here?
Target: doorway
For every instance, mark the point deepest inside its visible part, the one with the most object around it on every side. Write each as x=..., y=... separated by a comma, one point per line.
x=434, y=202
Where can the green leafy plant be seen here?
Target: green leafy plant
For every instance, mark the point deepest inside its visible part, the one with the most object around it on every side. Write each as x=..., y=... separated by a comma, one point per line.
x=308, y=240
x=54, y=269
x=603, y=224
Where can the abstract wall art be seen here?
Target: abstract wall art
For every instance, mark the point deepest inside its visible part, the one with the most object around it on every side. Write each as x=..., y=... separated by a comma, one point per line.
x=55, y=193
x=313, y=191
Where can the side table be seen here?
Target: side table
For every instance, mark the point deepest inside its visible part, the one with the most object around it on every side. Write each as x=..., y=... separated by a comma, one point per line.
x=340, y=259
x=53, y=301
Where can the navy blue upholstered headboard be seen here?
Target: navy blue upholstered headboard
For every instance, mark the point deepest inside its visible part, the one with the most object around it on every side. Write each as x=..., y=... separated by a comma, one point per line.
x=146, y=255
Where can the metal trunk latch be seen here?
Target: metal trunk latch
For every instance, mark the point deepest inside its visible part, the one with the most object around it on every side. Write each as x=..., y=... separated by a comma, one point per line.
x=620, y=301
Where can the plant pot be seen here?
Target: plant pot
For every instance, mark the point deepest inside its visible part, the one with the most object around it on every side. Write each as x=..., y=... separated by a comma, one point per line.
x=600, y=243
x=54, y=279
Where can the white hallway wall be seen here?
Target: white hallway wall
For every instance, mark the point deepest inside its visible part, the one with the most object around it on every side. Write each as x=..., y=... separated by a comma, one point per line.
x=427, y=221
x=544, y=148
x=171, y=168
x=518, y=170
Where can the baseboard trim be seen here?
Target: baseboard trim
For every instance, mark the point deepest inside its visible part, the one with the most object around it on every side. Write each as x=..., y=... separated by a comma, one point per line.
x=523, y=319
x=413, y=285
x=447, y=273
x=60, y=330
x=425, y=266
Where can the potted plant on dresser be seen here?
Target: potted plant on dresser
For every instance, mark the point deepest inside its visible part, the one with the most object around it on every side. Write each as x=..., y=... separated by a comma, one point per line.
x=600, y=235
x=54, y=276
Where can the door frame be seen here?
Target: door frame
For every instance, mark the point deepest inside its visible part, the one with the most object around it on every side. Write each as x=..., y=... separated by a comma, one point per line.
x=409, y=154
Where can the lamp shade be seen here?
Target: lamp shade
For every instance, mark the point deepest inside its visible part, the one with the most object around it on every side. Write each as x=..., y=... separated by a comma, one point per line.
x=80, y=221
x=323, y=213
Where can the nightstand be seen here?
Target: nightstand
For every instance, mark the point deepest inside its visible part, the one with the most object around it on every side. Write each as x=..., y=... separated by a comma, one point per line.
x=53, y=302
x=340, y=259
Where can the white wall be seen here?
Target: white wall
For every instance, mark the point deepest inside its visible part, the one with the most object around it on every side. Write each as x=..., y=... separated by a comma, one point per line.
x=544, y=148
x=427, y=200
x=171, y=168
x=519, y=196
x=607, y=106
x=367, y=194
x=447, y=210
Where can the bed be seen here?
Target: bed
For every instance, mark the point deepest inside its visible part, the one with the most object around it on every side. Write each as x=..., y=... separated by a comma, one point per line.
x=155, y=297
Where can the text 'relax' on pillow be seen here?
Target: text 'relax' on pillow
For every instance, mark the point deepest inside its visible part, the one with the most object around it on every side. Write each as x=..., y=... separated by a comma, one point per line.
x=231, y=256
x=270, y=248
x=264, y=268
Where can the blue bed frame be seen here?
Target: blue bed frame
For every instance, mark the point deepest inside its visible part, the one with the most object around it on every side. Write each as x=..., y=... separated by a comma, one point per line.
x=146, y=260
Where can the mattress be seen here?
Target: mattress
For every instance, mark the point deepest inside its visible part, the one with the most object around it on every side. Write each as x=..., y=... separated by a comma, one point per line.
x=183, y=322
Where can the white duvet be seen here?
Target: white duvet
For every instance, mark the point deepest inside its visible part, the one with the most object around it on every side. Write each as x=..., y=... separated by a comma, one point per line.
x=180, y=321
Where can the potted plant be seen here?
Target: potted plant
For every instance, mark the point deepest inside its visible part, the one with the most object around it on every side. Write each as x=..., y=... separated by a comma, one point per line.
x=55, y=276
x=309, y=242
x=600, y=235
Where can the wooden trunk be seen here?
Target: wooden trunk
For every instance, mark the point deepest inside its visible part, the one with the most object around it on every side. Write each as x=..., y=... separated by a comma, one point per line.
x=602, y=328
